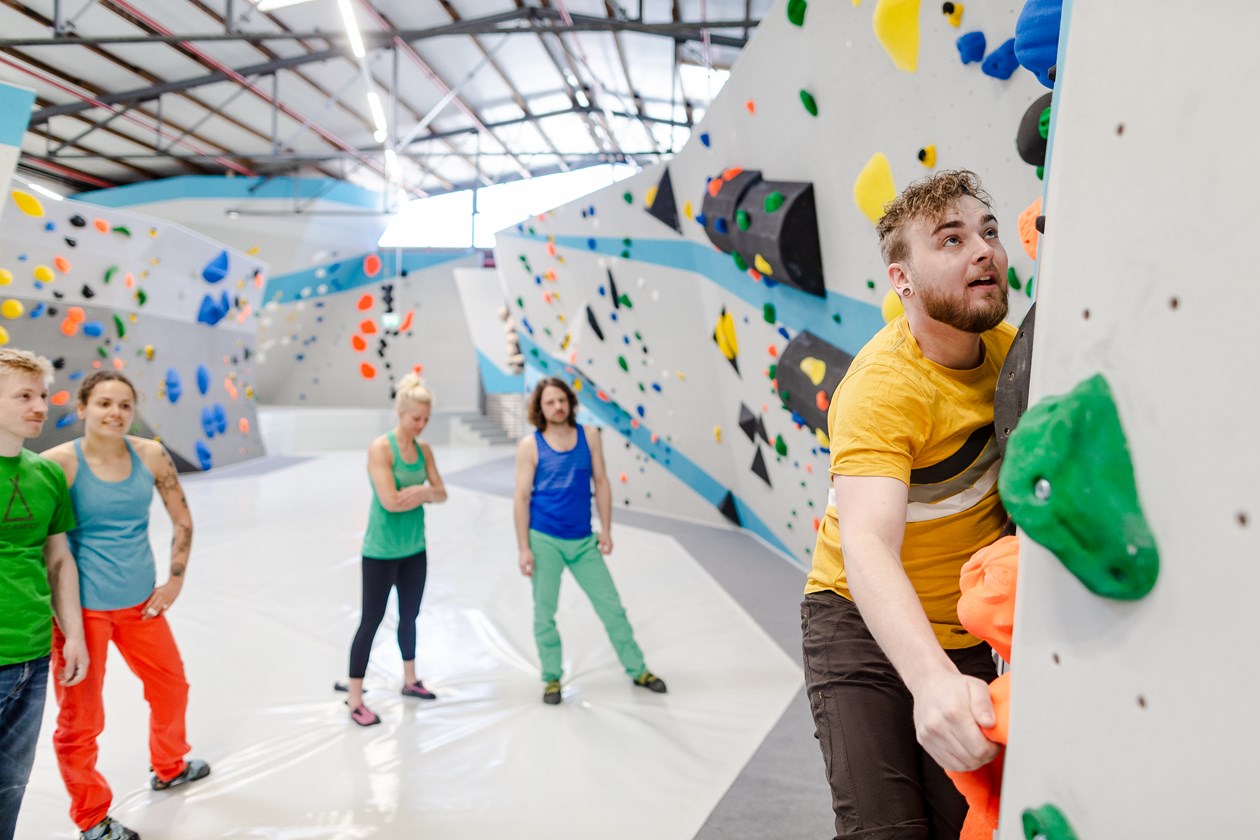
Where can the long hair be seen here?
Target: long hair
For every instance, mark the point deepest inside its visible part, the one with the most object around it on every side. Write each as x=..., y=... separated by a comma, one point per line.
x=536, y=417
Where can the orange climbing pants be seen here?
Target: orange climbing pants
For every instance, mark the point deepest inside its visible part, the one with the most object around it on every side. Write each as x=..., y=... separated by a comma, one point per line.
x=149, y=650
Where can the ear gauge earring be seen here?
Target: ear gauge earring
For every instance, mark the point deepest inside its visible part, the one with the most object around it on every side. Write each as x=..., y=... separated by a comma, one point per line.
x=905, y=292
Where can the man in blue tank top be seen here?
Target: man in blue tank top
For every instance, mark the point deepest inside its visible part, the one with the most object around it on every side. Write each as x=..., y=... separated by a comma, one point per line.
x=555, y=467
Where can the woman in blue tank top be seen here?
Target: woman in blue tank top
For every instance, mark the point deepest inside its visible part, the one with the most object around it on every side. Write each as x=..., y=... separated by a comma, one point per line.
x=112, y=477
x=404, y=478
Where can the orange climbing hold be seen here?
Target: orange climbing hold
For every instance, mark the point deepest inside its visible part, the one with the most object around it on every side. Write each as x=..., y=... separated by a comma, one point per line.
x=244, y=425
x=751, y=106
x=62, y=264
x=371, y=265
x=368, y=327
x=715, y=186
x=60, y=398
x=822, y=400
x=357, y=342
x=1028, y=235
x=367, y=371
x=69, y=327
x=773, y=351
x=730, y=173
x=365, y=303
x=101, y=225
x=406, y=321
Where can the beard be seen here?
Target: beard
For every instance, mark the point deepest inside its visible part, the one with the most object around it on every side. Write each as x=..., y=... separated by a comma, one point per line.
x=973, y=316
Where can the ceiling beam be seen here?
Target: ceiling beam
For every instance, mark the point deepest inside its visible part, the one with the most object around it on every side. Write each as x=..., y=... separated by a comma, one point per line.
x=525, y=21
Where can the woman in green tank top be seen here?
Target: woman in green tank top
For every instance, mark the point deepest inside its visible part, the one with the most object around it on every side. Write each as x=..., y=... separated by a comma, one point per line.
x=404, y=478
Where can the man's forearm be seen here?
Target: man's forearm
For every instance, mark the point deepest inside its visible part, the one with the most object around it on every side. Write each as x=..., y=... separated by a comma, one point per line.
x=603, y=505
x=892, y=610
x=520, y=516
x=63, y=579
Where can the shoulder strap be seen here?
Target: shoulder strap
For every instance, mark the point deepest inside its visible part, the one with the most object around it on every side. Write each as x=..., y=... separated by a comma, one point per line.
x=393, y=444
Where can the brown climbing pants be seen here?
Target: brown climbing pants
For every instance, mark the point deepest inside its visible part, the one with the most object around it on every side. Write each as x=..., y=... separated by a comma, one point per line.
x=884, y=786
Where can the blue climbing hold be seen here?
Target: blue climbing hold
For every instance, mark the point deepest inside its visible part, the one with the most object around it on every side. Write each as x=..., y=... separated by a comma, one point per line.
x=590, y=243
x=704, y=138
x=204, y=457
x=719, y=224
x=94, y=328
x=1037, y=37
x=66, y=419
x=971, y=47
x=220, y=418
x=1001, y=63
x=203, y=379
x=701, y=219
x=216, y=269
x=173, y=385
x=207, y=421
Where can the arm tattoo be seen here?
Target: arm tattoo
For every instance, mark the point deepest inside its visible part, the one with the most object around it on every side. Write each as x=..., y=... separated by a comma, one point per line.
x=177, y=570
x=181, y=543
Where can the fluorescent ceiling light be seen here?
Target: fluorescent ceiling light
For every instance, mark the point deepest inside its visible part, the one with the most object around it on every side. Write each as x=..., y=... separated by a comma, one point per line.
x=45, y=191
x=378, y=113
x=268, y=5
x=391, y=164
x=352, y=28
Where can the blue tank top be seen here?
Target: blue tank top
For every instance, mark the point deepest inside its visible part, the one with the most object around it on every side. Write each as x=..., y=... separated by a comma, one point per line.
x=560, y=506
x=110, y=541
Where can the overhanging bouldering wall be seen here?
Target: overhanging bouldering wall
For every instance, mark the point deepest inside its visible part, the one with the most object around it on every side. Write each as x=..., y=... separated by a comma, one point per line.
x=341, y=320
x=93, y=288
x=1133, y=713
x=701, y=316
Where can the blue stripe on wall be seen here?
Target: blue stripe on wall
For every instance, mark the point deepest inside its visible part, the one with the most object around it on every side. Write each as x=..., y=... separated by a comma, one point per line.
x=217, y=186
x=347, y=274
x=495, y=381
x=15, y=113
x=858, y=320
x=671, y=459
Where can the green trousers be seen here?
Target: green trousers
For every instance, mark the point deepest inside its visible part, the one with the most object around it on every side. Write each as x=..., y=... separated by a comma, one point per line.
x=582, y=557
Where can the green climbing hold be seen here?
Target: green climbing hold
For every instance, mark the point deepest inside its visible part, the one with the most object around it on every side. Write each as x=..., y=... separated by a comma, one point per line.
x=520, y=303
x=522, y=258
x=1047, y=823
x=626, y=242
x=740, y=262
x=531, y=231
x=774, y=201
x=110, y=272
x=123, y=230
x=1012, y=278
x=621, y=361
x=1043, y=124
x=1067, y=479
x=741, y=219
x=638, y=336
x=836, y=317
x=141, y=297
x=624, y=300
x=625, y=255
x=870, y=284
x=796, y=11
x=773, y=371
x=767, y=312
x=807, y=99
x=102, y=352
x=533, y=351
x=779, y=445
x=1041, y=173
x=627, y=197
x=120, y=326
x=1028, y=286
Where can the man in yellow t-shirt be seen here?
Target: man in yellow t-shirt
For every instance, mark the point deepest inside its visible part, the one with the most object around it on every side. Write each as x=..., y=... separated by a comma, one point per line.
x=897, y=687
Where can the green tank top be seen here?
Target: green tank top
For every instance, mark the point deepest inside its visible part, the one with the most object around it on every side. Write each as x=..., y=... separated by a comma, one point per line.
x=393, y=536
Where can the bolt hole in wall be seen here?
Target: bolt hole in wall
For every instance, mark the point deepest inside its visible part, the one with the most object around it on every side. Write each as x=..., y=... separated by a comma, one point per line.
x=1120, y=130
x=1055, y=658
x=1242, y=519
x=1141, y=702
x=1085, y=314
x=1173, y=303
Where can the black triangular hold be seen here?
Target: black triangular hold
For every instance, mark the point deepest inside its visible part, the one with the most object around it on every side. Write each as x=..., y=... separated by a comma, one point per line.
x=727, y=508
x=590, y=319
x=612, y=290
x=759, y=467
x=761, y=430
x=734, y=364
x=664, y=208
x=748, y=421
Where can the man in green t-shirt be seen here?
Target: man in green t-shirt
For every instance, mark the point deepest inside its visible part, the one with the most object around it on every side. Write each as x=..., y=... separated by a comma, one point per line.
x=38, y=576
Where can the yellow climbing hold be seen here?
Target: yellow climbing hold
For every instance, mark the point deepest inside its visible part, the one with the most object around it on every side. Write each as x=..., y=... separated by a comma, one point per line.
x=815, y=369
x=577, y=385
x=717, y=433
x=4, y=336
x=823, y=440
x=759, y=263
x=12, y=309
x=27, y=203
x=44, y=274
x=687, y=210
x=953, y=13
x=6, y=277
x=650, y=196
x=891, y=307
x=724, y=333
x=874, y=187
x=897, y=28
x=927, y=156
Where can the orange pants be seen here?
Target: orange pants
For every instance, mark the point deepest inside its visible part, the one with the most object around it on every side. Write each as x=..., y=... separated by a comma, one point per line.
x=149, y=650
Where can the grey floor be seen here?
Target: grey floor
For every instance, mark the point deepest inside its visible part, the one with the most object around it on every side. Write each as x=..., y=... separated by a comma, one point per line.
x=781, y=793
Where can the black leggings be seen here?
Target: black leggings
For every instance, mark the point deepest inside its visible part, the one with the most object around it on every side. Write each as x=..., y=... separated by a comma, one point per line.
x=379, y=576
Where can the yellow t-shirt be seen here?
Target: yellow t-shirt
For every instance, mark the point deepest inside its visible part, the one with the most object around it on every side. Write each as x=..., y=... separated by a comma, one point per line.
x=900, y=415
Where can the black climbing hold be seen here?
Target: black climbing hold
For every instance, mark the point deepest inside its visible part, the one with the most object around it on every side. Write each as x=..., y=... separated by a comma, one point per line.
x=728, y=508
x=665, y=207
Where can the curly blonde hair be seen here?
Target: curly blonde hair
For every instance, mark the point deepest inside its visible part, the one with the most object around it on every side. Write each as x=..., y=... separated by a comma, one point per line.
x=928, y=198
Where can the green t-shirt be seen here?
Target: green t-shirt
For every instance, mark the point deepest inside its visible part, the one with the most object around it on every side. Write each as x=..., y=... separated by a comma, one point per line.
x=34, y=502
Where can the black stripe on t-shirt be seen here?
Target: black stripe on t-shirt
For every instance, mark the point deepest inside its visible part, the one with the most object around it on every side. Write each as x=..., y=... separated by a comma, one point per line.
x=957, y=463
